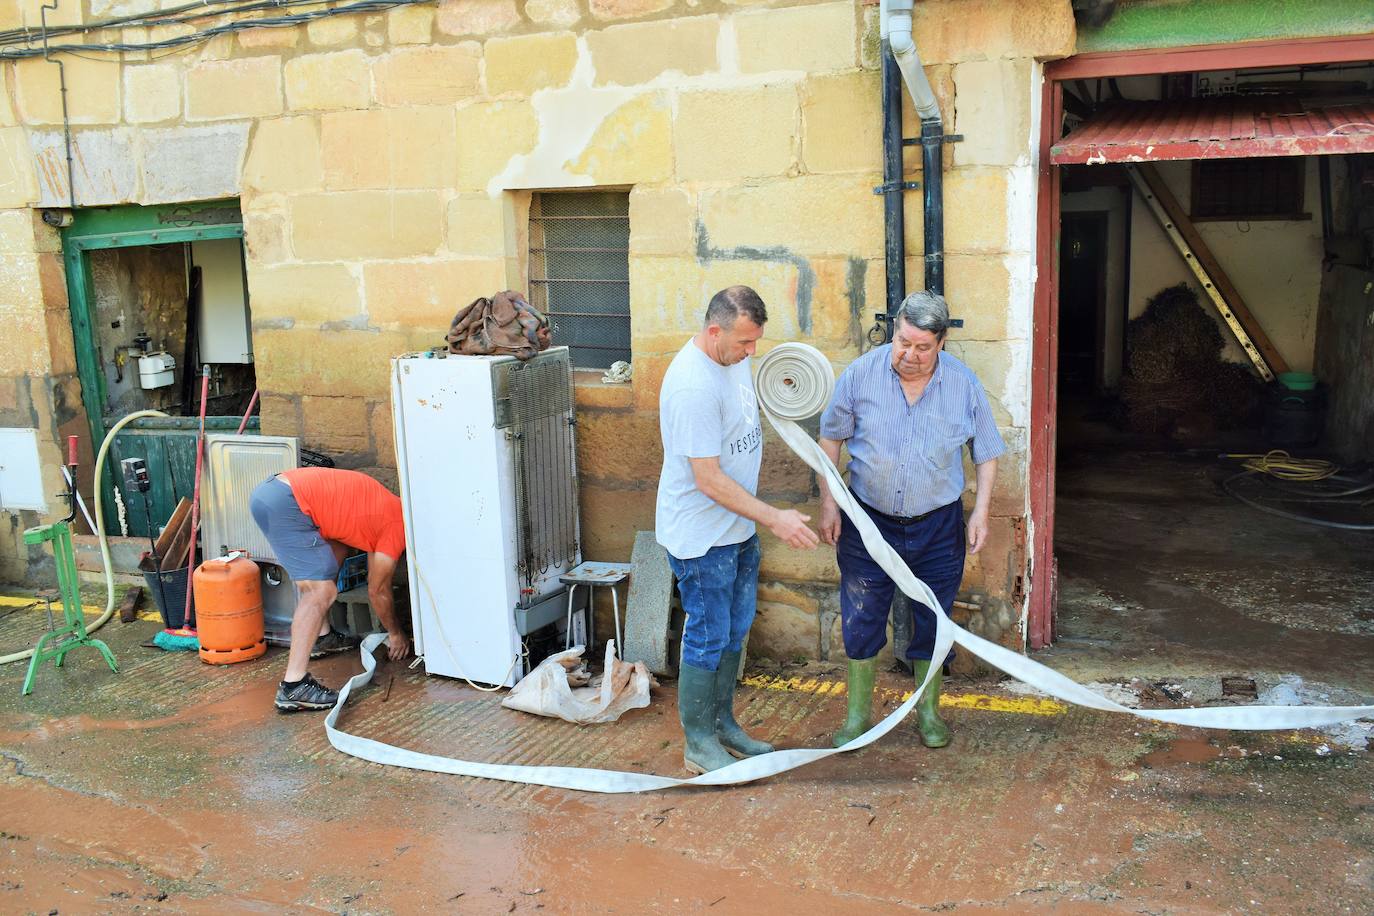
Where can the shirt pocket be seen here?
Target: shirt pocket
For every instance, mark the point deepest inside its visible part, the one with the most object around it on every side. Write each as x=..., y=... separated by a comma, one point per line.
x=942, y=442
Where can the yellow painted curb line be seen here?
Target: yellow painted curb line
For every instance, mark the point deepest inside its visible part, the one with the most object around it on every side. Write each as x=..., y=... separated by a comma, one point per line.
x=1026, y=706
x=91, y=610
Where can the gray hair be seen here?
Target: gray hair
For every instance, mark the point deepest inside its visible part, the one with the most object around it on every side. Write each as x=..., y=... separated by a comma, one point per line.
x=926, y=311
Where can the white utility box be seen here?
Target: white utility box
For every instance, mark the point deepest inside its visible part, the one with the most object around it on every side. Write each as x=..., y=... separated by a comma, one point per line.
x=156, y=370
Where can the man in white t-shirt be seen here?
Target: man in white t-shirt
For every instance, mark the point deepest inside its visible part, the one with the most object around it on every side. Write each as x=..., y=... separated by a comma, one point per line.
x=705, y=516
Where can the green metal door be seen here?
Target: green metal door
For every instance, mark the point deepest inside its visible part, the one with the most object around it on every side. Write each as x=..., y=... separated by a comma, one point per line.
x=168, y=444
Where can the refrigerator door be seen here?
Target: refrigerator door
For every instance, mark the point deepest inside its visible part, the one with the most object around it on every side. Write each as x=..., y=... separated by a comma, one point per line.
x=454, y=469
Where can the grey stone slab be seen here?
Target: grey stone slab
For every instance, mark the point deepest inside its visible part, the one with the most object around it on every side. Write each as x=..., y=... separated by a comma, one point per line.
x=103, y=166
x=651, y=633
x=182, y=164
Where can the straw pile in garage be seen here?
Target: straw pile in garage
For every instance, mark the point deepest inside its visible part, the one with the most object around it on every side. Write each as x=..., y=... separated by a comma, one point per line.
x=1177, y=382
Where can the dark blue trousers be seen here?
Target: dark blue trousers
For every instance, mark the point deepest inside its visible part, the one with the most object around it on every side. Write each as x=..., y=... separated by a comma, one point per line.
x=934, y=549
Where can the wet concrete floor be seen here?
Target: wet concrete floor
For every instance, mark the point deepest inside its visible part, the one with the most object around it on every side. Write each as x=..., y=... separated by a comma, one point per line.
x=174, y=787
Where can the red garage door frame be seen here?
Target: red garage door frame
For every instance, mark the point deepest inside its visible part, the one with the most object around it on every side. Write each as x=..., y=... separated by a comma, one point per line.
x=1042, y=592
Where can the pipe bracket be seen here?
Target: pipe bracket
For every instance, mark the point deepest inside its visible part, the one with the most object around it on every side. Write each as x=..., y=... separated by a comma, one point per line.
x=896, y=186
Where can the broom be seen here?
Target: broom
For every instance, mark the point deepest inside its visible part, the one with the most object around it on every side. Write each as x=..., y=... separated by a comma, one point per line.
x=184, y=638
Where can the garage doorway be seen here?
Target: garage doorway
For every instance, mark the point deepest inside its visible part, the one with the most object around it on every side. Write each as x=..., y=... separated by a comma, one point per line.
x=1160, y=336
x=158, y=293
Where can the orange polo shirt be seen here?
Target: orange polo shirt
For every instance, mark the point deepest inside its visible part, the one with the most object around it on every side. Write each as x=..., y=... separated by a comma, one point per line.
x=350, y=507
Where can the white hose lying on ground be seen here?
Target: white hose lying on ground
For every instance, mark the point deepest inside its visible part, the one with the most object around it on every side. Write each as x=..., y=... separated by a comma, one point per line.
x=100, y=532
x=794, y=382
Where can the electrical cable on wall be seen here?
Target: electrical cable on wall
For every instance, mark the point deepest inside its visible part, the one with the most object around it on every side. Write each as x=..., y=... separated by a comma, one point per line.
x=10, y=41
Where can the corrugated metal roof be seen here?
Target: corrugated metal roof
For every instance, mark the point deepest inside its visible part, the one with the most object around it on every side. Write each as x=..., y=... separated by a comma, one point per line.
x=1217, y=128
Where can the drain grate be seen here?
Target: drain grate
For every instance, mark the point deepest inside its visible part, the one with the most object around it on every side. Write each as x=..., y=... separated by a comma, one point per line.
x=1242, y=687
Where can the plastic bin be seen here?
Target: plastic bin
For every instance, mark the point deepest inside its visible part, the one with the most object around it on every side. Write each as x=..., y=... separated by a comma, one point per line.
x=169, y=594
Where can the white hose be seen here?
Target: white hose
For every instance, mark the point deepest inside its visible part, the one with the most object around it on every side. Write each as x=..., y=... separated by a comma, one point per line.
x=100, y=532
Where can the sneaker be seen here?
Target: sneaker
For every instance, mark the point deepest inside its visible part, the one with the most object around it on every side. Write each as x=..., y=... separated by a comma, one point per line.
x=332, y=643
x=308, y=694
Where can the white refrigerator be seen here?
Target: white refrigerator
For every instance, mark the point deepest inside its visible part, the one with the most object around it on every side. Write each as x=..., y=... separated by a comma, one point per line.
x=486, y=461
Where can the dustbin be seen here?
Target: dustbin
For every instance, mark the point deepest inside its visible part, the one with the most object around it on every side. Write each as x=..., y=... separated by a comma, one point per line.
x=168, y=589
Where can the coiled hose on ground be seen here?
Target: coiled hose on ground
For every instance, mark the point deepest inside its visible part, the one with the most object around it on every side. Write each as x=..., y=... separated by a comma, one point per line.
x=106, y=563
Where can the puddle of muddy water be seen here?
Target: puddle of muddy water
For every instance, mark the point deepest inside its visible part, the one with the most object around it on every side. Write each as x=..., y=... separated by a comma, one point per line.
x=1182, y=750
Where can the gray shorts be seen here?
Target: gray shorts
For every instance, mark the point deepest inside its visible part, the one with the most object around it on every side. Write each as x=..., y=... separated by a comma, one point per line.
x=299, y=547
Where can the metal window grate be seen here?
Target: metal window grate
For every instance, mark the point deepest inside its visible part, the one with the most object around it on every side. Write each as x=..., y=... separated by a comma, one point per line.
x=580, y=272
x=1244, y=189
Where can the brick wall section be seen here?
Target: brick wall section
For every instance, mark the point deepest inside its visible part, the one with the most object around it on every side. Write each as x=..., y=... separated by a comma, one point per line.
x=383, y=164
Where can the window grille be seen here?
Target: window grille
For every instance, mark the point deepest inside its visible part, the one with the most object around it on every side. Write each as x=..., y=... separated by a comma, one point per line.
x=580, y=272
x=1246, y=189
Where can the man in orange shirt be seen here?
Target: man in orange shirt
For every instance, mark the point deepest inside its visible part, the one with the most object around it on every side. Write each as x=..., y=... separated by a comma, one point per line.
x=311, y=516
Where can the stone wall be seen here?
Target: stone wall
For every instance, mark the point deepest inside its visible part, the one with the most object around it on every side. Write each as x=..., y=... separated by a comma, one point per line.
x=384, y=163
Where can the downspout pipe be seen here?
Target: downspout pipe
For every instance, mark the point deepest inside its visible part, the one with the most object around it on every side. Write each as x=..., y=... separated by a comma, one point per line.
x=896, y=25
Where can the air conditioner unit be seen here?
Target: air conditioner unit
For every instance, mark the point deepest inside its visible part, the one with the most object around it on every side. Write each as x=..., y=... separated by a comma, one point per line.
x=486, y=460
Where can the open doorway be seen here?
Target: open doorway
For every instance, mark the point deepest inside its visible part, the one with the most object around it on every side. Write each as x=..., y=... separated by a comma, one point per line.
x=158, y=294
x=1203, y=304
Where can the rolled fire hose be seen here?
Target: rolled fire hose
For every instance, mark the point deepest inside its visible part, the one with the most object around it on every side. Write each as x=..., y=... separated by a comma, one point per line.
x=794, y=382
x=99, y=530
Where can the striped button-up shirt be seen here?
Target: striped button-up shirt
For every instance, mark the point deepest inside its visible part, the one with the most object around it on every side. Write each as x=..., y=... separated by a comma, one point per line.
x=907, y=459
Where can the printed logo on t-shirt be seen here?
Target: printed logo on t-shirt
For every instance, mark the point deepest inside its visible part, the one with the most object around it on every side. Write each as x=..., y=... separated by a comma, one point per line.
x=748, y=404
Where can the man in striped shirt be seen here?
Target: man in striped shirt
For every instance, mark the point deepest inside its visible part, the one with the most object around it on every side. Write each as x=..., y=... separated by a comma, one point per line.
x=906, y=410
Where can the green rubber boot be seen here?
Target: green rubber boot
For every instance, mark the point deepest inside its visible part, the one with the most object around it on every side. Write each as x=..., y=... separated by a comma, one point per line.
x=696, y=706
x=860, y=687
x=733, y=738
x=934, y=731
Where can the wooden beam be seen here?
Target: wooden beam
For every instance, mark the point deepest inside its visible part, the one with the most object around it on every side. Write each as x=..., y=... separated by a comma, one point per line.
x=1221, y=284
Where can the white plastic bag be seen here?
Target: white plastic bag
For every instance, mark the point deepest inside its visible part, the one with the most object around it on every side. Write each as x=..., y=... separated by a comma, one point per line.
x=547, y=691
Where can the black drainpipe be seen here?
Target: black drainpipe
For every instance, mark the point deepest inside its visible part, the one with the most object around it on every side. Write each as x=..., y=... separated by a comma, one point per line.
x=932, y=175
x=893, y=190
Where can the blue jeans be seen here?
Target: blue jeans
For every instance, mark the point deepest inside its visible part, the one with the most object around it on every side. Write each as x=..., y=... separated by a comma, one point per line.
x=719, y=595
x=934, y=549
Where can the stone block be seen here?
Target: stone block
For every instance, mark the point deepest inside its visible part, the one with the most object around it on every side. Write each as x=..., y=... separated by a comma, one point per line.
x=476, y=17
x=256, y=39
x=192, y=163
x=590, y=393
x=410, y=25
x=513, y=122
x=732, y=134
x=978, y=289
x=249, y=87
x=993, y=112
x=626, y=55
x=304, y=294
x=949, y=31
x=626, y=9
x=61, y=348
x=388, y=148
x=427, y=294
x=264, y=239
x=477, y=226
x=105, y=172
x=648, y=376
x=342, y=79
x=810, y=215
x=427, y=75
x=604, y=453
x=529, y=63
x=786, y=564
x=52, y=280
x=280, y=415
x=16, y=231
x=337, y=426
x=18, y=179
x=92, y=90
x=366, y=224
x=7, y=116
x=842, y=126
x=661, y=222
x=976, y=217
x=993, y=569
x=332, y=31
x=152, y=93
x=823, y=36
x=786, y=626
x=285, y=156
x=559, y=13
x=345, y=363
x=666, y=302
x=383, y=433
x=632, y=145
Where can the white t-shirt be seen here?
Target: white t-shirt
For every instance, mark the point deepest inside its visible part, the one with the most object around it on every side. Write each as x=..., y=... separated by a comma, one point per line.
x=705, y=410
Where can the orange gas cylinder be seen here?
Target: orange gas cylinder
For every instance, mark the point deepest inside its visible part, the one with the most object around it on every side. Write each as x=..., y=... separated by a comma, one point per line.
x=228, y=596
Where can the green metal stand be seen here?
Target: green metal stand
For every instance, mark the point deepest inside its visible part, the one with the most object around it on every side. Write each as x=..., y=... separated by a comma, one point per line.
x=73, y=633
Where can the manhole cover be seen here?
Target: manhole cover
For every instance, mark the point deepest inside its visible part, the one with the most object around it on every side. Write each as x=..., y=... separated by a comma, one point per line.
x=1239, y=687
